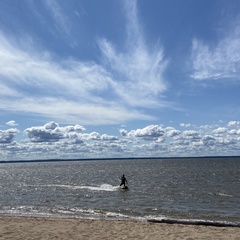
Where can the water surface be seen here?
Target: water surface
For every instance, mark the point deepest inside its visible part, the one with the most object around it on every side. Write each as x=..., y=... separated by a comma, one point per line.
x=204, y=189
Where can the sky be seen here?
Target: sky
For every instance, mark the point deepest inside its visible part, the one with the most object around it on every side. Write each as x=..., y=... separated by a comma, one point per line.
x=119, y=78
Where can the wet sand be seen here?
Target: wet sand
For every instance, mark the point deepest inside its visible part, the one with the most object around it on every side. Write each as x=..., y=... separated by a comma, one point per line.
x=60, y=228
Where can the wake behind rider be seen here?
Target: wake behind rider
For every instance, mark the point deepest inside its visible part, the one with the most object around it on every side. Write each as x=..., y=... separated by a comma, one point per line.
x=123, y=181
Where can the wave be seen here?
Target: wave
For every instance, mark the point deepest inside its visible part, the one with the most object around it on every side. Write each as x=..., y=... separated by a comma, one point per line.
x=221, y=194
x=105, y=214
x=224, y=195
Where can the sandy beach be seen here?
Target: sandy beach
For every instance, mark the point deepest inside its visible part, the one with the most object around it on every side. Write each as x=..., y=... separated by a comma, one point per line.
x=56, y=228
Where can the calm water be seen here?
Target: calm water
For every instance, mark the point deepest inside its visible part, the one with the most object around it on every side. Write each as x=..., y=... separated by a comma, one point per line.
x=177, y=189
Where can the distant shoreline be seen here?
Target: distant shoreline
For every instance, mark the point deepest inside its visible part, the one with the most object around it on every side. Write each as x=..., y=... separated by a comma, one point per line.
x=99, y=159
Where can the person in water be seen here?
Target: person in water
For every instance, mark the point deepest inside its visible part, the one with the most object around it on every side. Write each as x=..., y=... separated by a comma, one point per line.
x=123, y=181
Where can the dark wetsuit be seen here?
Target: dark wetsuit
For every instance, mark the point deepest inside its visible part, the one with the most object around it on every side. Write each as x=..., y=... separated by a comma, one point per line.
x=123, y=181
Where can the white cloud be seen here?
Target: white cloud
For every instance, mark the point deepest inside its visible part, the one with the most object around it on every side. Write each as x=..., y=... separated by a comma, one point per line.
x=220, y=130
x=191, y=134
x=218, y=61
x=8, y=136
x=73, y=141
x=208, y=140
x=134, y=31
x=139, y=69
x=27, y=71
x=52, y=132
x=62, y=23
x=172, y=133
x=73, y=90
x=38, y=85
x=123, y=132
x=139, y=74
x=234, y=123
x=151, y=132
x=186, y=125
x=11, y=123
x=106, y=137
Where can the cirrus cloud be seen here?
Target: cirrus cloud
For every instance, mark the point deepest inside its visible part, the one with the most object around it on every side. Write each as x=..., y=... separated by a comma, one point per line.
x=112, y=91
x=220, y=60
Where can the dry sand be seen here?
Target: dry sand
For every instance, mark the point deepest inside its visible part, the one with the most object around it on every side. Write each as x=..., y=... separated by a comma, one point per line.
x=51, y=228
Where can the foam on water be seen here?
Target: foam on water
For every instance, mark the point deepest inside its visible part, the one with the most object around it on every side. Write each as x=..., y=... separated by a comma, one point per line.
x=224, y=195
x=103, y=187
x=99, y=213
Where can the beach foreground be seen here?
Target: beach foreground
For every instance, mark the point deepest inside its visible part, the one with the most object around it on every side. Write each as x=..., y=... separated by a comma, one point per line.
x=56, y=228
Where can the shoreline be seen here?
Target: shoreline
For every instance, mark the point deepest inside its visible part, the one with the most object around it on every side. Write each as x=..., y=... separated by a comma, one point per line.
x=170, y=221
x=26, y=227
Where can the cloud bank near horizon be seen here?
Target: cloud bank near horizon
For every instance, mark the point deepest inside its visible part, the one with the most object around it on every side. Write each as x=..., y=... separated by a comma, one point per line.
x=73, y=141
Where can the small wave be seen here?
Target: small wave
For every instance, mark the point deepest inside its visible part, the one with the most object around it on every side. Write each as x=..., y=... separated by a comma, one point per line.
x=220, y=194
x=91, y=213
x=224, y=195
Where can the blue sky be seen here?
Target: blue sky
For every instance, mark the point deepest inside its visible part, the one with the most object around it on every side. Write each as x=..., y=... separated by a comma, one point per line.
x=89, y=79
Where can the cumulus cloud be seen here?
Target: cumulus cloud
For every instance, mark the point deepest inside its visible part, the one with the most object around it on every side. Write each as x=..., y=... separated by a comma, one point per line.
x=52, y=132
x=106, y=137
x=11, y=123
x=98, y=137
x=44, y=134
x=234, y=123
x=123, y=132
x=191, y=134
x=220, y=130
x=186, y=125
x=171, y=132
x=151, y=132
x=74, y=141
x=208, y=140
x=8, y=136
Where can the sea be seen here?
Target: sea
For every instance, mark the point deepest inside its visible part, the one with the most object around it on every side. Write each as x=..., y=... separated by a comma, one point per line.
x=185, y=190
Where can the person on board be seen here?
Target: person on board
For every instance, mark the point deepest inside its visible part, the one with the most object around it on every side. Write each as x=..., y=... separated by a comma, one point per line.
x=123, y=181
